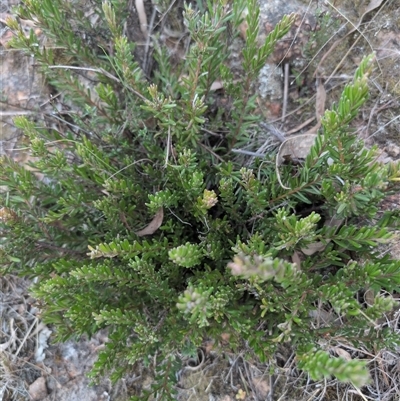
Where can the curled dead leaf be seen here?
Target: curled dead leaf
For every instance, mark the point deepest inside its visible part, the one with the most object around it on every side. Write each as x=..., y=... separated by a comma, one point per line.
x=319, y=246
x=343, y=354
x=296, y=259
x=216, y=85
x=296, y=148
x=313, y=248
x=369, y=296
x=154, y=225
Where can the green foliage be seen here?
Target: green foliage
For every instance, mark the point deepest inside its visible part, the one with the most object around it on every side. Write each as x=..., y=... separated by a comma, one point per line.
x=145, y=224
x=320, y=365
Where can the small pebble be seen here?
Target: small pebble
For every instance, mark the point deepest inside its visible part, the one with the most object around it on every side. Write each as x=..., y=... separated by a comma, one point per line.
x=38, y=389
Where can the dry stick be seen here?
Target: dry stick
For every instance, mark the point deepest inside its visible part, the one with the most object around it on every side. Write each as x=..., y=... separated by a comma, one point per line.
x=69, y=124
x=100, y=71
x=167, y=11
x=16, y=113
x=315, y=56
x=247, y=152
x=381, y=128
x=107, y=74
x=320, y=99
x=168, y=147
x=311, y=119
x=360, y=393
x=147, y=45
x=384, y=375
x=370, y=8
x=70, y=67
x=284, y=108
x=129, y=165
x=51, y=98
x=286, y=87
x=28, y=334
x=13, y=337
x=371, y=114
x=297, y=32
x=211, y=151
x=211, y=132
x=244, y=381
x=290, y=113
x=274, y=131
x=341, y=61
x=142, y=16
x=285, y=90
x=302, y=125
x=373, y=4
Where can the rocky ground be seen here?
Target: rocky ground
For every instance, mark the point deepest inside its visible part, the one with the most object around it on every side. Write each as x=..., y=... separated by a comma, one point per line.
x=317, y=58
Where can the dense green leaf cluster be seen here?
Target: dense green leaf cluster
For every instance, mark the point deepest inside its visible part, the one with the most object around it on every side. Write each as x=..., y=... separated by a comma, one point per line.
x=143, y=221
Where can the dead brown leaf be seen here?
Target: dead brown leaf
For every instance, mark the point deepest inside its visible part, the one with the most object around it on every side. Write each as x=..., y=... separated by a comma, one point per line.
x=343, y=354
x=319, y=246
x=216, y=85
x=296, y=148
x=296, y=259
x=369, y=296
x=153, y=226
x=313, y=248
